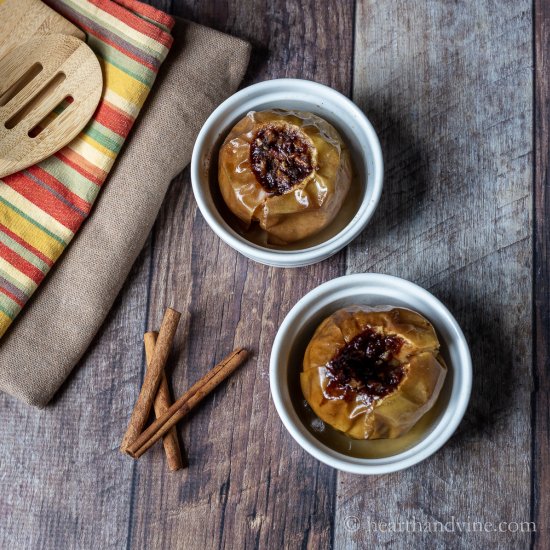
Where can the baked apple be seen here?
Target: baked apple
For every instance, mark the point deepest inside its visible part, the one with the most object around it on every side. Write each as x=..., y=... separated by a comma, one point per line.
x=373, y=372
x=288, y=171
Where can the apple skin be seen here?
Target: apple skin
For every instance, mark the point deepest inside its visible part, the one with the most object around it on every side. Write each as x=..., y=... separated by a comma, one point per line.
x=397, y=412
x=311, y=204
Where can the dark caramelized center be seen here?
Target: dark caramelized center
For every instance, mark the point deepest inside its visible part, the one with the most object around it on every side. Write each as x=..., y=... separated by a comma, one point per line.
x=280, y=158
x=365, y=366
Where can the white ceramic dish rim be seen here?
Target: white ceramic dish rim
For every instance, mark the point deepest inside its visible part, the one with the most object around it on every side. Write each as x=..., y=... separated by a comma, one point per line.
x=268, y=90
x=442, y=431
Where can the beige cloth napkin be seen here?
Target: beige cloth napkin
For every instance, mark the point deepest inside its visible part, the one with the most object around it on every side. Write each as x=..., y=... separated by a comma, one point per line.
x=58, y=324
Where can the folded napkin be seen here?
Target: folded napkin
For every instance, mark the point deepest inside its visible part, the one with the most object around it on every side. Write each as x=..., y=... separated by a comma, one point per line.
x=42, y=207
x=58, y=324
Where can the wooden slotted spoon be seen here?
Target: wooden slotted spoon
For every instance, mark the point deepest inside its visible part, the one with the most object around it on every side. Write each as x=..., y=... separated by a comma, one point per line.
x=49, y=89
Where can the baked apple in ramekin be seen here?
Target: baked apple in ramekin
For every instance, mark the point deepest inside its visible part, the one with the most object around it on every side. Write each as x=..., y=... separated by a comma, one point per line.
x=373, y=372
x=287, y=171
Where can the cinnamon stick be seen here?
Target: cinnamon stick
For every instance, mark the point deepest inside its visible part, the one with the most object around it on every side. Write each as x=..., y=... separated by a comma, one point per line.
x=161, y=405
x=153, y=375
x=190, y=399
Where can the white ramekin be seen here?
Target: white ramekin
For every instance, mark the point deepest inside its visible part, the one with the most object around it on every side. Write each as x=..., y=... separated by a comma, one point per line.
x=372, y=289
x=302, y=95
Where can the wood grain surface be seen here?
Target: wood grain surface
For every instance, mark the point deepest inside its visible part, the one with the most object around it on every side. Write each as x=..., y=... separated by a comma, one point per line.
x=26, y=19
x=68, y=69
x=449, y=87
x=540, y=502
x=449, y=90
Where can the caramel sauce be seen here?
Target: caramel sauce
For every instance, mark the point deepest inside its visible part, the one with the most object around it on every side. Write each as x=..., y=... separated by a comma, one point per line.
x=280, y=158
x=366, y=448
x=365, y=367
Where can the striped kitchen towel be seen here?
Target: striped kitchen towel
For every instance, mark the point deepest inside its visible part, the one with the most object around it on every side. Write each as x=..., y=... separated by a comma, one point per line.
x=42, y=207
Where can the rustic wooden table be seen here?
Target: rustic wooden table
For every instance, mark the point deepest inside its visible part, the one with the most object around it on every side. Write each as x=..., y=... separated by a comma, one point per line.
x=459, y=94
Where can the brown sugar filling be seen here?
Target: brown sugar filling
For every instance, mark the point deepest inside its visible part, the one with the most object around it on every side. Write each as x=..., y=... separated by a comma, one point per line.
x=365, y=367
x=280, y=158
